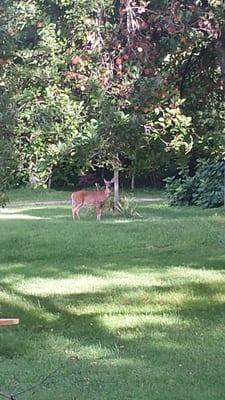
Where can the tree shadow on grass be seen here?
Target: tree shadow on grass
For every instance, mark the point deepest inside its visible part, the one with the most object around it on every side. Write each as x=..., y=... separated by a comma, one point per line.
x=78, y=315
x=138, y=333
x=71, y=260
x=140, y=359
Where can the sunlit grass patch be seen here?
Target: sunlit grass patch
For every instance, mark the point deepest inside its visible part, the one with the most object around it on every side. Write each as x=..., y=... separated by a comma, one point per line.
x=133, y=309
x=5, y=215
x=26, y=307
x=85, y=283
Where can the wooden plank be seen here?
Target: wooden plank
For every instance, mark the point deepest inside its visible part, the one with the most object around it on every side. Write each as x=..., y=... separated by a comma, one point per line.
x=9, y=321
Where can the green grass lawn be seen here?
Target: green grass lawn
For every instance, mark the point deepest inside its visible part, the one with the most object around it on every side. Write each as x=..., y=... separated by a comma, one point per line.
x=29, y=195
x=39, y=195
x=128, y=309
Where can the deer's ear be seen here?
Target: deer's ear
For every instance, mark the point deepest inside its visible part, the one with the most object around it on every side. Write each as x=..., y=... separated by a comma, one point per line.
x=108, y=182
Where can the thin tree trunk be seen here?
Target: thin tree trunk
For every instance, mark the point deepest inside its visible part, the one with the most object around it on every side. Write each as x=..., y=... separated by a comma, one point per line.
x=224, y=183
x=116, y=190
x=132, y=180
x=49, y=182
x=32, y=180
x=133, y=170
x=50, y=178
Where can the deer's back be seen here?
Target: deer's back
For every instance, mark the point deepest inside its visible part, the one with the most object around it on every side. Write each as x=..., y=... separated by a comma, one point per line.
x=86, y=197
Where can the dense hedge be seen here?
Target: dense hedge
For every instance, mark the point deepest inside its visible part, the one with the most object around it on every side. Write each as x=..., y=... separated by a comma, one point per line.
x=204, y=189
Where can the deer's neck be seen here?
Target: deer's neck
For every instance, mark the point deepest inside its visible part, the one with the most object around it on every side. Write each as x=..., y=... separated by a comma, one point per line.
x=107, y=192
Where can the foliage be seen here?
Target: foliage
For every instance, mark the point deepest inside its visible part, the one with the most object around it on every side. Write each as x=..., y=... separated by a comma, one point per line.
x=7, y=169
x=179, y=191
x=128, y=207
x=46, y=116
x=205, y=188
x=125, y=84
x=88, y=180
x=209, y=184
x=3, y=199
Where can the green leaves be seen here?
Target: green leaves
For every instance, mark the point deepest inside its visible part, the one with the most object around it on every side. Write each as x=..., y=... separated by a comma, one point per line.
x=204, y=189
x=179, y=191
x=3, y=199
x=171, y=126
x=209, y=182
x=85, y=82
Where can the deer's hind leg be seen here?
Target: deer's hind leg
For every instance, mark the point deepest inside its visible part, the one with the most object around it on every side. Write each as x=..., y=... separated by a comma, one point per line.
x=75, y=211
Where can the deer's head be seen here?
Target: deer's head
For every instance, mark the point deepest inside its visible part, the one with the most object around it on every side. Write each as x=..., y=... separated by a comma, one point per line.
x=108, y=185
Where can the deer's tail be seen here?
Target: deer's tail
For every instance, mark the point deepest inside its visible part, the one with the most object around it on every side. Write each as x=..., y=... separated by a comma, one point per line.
x=73, y=201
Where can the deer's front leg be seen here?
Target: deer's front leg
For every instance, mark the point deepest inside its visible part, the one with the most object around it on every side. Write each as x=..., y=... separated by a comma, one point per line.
x=99, y=212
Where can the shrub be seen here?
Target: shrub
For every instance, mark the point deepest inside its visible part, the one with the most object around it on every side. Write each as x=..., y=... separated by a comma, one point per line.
x=209, y=184
x=128, y=207
x=179, y=191
x=204, y=189
x=3, y=199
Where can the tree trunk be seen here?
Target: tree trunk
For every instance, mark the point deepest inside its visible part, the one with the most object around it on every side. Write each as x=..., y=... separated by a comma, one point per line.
x=132, y=180
x=49, y=182
x=224, y=183
x=116, y=190
x=133, y=170
x=32, y=181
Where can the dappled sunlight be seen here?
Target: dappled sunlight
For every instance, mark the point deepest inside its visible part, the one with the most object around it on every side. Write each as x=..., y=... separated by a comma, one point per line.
x=134, y=220
x=18, y=216
x=219, y=258
x=121, y=221
x=144, y=302
x=86, y=283
x=121, y=303
x=8, y=268
x=61, y=216
x=25, y=306
x=138, y=323
x=46, y=287
x=195, y=275
x=27, y=212
x=21, y=209
x=124, y=298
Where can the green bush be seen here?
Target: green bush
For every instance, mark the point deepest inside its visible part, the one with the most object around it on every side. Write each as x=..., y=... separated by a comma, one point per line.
x=3, y=199
x=128, y=207
x=204, y=189
x=209, y=184
x=179, y=191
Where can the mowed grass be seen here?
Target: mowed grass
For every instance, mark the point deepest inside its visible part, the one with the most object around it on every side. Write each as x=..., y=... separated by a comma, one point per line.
x=125, y=308
x=25, y=195
x=37, y=195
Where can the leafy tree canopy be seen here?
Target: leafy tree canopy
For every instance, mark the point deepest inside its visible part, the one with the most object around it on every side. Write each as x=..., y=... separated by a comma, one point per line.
x=93, y=82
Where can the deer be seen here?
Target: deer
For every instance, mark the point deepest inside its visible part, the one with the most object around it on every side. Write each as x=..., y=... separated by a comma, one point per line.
x=95, y=198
